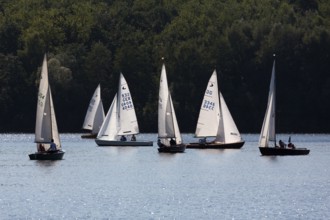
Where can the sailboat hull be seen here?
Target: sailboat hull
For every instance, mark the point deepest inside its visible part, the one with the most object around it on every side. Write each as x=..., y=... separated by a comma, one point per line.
x=103, y=143
x=172, y=149
x=211, y=145
x=89, y=136
x=47, y=156
x=274, y=151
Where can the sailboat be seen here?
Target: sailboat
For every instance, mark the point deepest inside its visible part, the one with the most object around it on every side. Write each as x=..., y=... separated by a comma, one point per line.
x=95, y=115
x=120, y=121
x=216, y=121
x=268, y=133
x=46, y=132
x=169, y=137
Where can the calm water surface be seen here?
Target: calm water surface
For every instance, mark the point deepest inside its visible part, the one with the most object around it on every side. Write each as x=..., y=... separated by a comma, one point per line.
x=139, y=183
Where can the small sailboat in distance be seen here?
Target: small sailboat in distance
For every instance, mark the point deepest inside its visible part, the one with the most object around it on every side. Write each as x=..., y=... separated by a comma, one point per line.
x=216, y=121
x=46, y=132
x=169, y=137
x=268, y=133
x=120, y=121
x=95, y=115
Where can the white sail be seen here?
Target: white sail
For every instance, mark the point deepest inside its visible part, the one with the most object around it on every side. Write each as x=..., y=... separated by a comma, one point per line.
x=209, y=115
x=109, y=128
x=99, y=117
x=163, y=104
x=95, y=113
x=128, y=124
x=227, y=132
x=55, y=134
x=177, y=133
x=268, y=126
x=43, y=120
x=46, y=126
x=167, y=122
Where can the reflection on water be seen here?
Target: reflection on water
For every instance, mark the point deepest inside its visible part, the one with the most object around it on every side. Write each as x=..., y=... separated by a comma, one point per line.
x=138, y=182
x=46, y=163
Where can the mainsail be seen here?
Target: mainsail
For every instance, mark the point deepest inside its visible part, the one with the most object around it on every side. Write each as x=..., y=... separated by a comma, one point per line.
x=209, y=114
x=128, y=124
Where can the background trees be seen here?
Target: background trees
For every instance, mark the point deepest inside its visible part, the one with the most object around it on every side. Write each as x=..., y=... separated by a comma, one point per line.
x=91, y=42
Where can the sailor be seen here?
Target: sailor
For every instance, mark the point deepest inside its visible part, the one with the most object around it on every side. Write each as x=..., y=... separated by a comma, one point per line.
x=159, y=143
x=52, y=146
x=172, y=142
x=291, y=145
x=202, y=140
x=41, y=148
x=282, y=144
x=123, y=138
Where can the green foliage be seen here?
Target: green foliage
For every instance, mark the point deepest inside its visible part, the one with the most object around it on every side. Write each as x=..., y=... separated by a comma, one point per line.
x=91, y=42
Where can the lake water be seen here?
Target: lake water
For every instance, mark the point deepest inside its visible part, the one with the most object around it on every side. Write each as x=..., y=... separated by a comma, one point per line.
x=139, y=183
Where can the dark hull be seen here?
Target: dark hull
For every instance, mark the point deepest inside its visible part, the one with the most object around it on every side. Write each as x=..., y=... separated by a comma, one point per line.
x=273, y=151
x=89, y=136
x=47, y=156
x=210, y=145
x=123, y=143
x=172, y=149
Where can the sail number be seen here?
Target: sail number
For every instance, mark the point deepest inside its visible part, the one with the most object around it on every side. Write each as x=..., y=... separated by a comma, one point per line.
x=91, y=104
x=208, y=92
x=208, y=105
x=126, y=101
x=41, y=99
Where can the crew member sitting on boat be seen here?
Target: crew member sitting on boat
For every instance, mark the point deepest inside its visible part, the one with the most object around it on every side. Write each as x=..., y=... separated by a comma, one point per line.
x=202, y=140
x=52, y=146
x=159, y=143
x=41, y=148
x=172, y=142
x=291, y=145
x=133, y=138
x=282, y=144
x=123, y=138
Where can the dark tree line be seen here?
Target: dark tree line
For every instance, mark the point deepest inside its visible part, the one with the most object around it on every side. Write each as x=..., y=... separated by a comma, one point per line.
x=91, y=42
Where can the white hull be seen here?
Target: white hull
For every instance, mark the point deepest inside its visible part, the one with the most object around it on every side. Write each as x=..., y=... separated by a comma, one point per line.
x=123, y=143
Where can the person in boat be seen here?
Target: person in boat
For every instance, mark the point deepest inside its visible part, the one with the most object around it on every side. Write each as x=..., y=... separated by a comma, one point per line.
x=282, y=144
x=202, y=140
x=172, y=142
x=123, y=138
x=291, y=145
x=159, y=143
x=133, y=138
x=41, y=148
x=52, y=146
